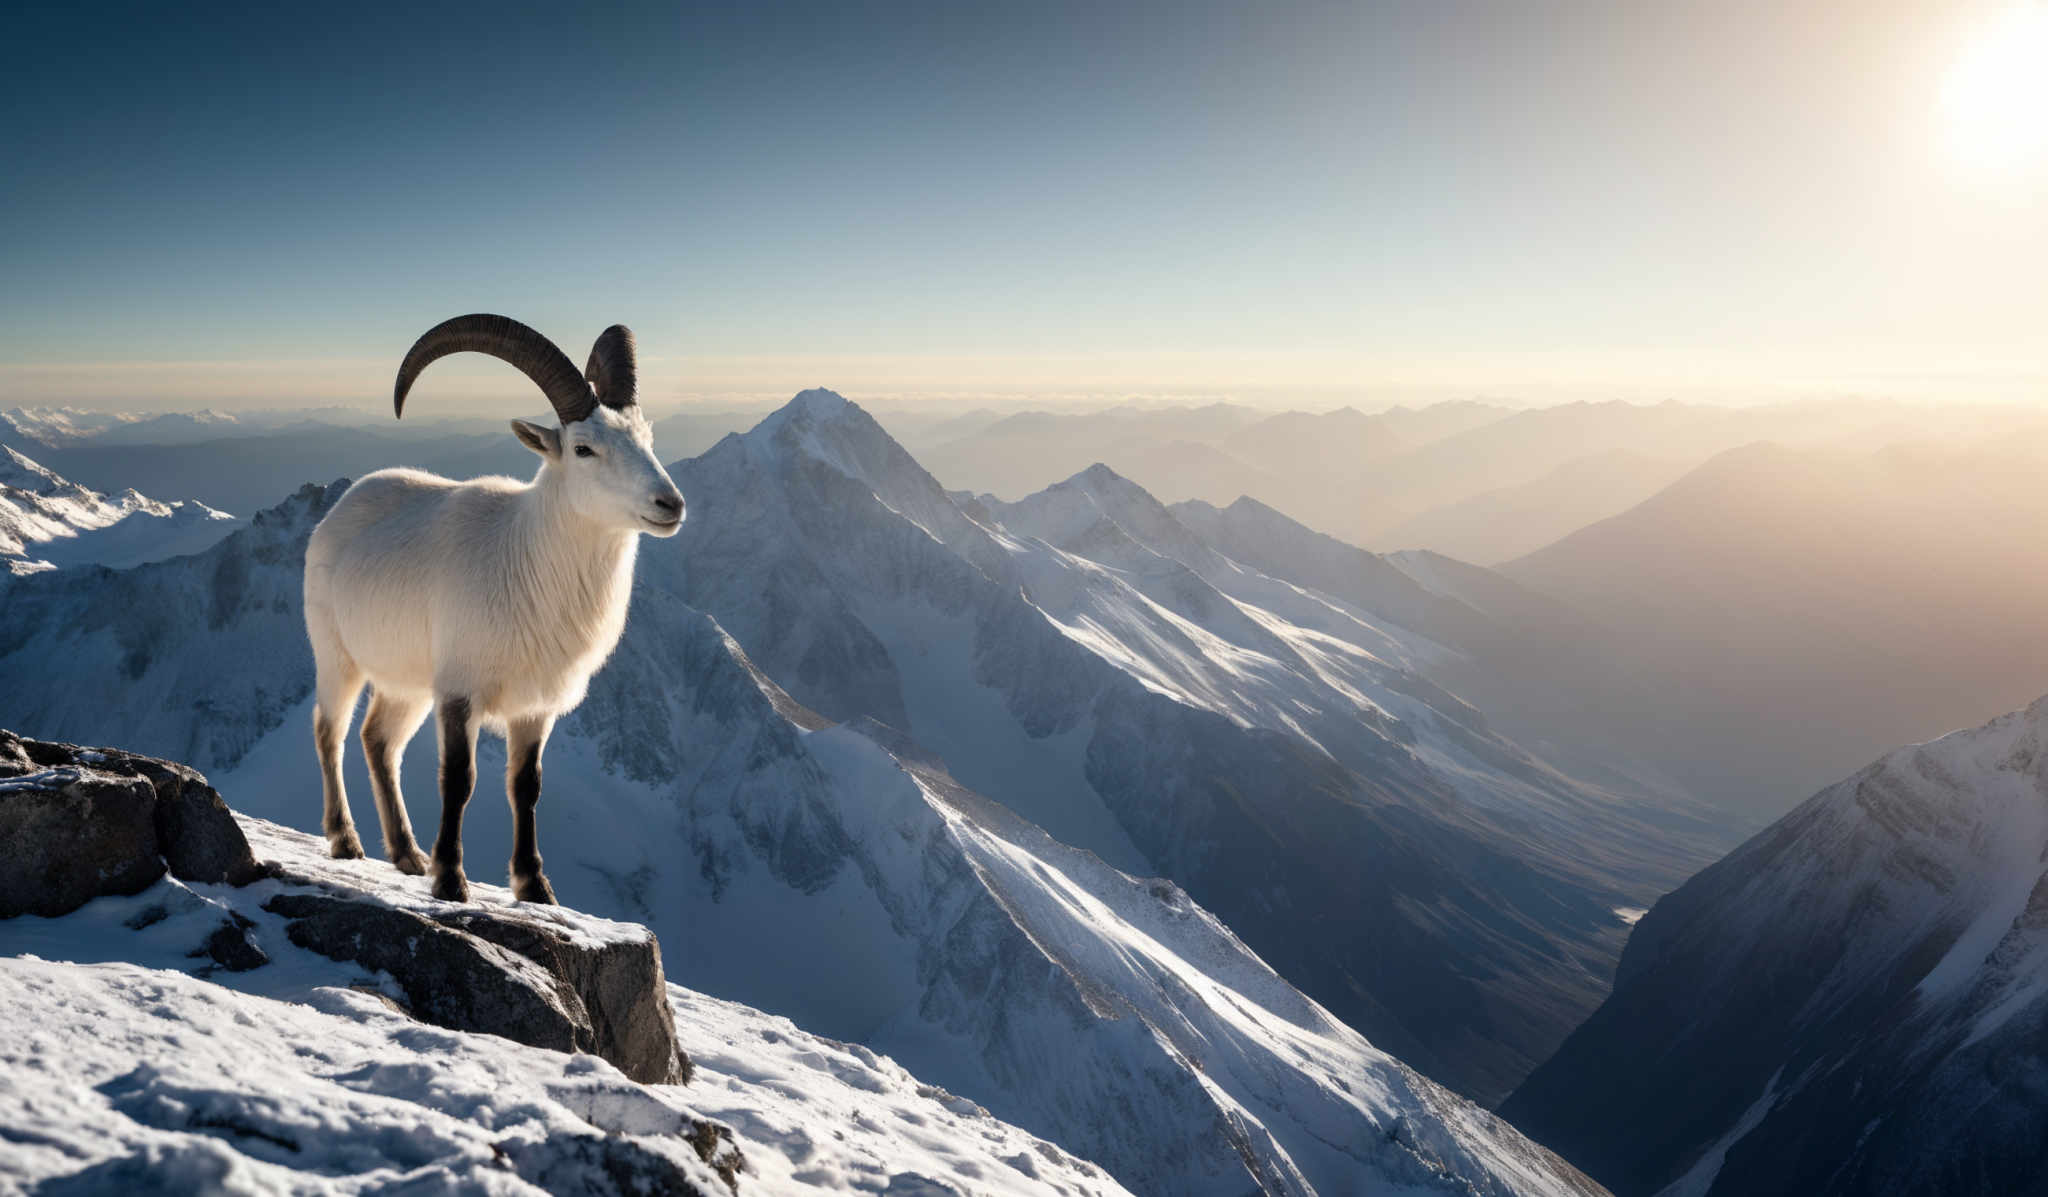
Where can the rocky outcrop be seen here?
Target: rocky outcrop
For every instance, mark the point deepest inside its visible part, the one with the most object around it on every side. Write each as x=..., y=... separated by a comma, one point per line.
x=77, y=823
x=81, y=823
x=503, y=974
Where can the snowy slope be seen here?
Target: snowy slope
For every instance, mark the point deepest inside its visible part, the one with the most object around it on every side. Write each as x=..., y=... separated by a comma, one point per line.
x=1540, y=671
x=131, y=1068
x=1857, y=998
x=48, y=523
x=829, y=874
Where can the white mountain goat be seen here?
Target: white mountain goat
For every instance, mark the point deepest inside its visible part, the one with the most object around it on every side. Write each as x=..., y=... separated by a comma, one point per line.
x=490, y=602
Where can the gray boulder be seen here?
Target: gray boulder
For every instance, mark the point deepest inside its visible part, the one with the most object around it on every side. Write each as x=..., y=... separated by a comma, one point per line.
x=69, y=835
x=77, y=823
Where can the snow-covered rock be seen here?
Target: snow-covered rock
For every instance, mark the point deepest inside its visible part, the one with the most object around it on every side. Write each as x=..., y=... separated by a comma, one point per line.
x=1853, y=1002
x=48, y=523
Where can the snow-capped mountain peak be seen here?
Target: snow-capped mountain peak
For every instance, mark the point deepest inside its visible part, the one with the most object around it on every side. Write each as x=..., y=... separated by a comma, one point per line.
x=817, y=402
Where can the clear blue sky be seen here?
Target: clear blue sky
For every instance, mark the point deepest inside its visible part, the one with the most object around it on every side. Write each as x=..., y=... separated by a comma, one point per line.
x=205, y=203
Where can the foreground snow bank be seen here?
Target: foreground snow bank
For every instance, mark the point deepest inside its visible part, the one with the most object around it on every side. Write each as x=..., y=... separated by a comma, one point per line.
x=118, y=1078
x=138, y=1062
x=127, y=1079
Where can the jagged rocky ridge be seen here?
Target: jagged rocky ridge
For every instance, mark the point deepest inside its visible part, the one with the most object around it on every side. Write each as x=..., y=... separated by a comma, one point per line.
x=825, y=873
x=1853, y=1002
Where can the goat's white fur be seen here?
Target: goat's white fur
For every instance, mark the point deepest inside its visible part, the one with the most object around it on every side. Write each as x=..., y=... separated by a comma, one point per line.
x=506, y=595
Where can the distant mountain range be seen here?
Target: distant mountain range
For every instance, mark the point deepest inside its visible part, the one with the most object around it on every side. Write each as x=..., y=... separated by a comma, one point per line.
x=925, y=865
x=1474, y=481
x=1853, y=1002
x=1713, y=634
x=241, y=462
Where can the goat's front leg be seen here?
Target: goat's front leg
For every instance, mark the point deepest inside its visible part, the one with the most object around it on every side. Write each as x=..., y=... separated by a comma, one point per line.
x=458, y=781
x=524, y=740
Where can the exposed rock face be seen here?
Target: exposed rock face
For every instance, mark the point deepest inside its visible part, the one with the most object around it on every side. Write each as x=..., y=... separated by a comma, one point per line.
x=76, y=823
x=618, y=986
x=496, y=972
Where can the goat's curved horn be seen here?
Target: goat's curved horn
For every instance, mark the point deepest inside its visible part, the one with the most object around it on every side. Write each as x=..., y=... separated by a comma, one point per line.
x=610, y=371
x=509, y=341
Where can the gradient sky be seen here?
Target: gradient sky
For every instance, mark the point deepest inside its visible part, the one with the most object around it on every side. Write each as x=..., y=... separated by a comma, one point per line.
x=213, y=206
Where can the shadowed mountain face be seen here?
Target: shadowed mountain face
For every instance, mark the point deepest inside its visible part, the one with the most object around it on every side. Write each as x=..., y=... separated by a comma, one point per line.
x=1853, y=1002
x=1091, y=663
x=1786, y=613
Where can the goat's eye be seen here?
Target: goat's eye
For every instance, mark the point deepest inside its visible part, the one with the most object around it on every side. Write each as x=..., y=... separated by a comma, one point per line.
x=585, y=451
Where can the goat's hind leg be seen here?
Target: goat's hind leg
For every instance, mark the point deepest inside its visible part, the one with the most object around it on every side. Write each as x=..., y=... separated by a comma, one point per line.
x=388, y=725
x=339, y=684
x=524, y=740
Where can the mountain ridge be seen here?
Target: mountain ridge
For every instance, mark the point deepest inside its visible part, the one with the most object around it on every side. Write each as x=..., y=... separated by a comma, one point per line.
x=1857, y=995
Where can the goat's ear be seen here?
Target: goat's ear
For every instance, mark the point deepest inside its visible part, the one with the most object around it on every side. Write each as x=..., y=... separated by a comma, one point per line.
x=539, y=438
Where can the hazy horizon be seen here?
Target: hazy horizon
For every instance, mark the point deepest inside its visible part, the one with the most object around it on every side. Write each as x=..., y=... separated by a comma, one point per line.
x=1396, y=203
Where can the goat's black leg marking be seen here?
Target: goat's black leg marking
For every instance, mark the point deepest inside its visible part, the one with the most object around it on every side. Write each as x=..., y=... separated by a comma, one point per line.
x=458, y=781
x=529, y=884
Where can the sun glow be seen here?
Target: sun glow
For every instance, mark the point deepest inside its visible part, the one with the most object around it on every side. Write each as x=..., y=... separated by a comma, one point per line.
x=1995, y=100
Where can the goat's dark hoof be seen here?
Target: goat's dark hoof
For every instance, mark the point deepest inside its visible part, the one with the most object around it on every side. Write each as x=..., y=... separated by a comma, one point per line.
x=412, y=862
x=346, y=845
x=534, y=889
x=451, y=886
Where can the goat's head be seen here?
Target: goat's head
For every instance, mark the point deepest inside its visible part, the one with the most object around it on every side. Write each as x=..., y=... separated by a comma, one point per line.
x=602, y=455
